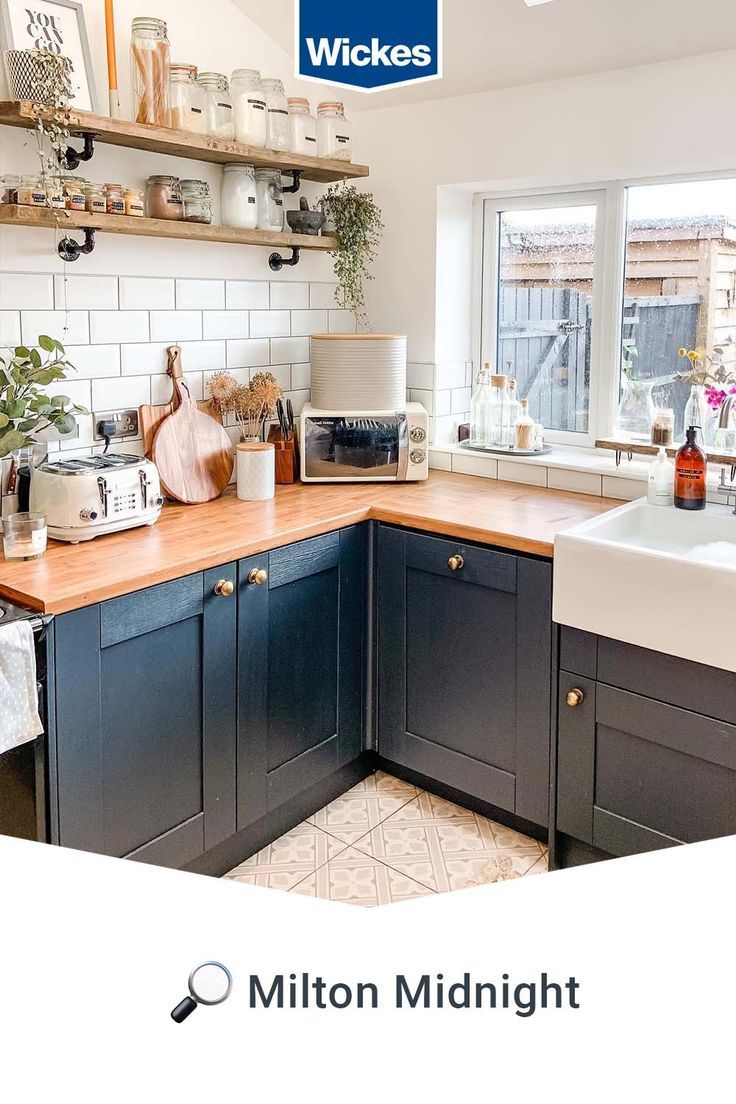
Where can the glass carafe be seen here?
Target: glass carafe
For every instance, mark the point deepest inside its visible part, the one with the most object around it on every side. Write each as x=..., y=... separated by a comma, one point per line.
x=635, y=411
x=479, y=407
x=498, y=412
x=697, y=413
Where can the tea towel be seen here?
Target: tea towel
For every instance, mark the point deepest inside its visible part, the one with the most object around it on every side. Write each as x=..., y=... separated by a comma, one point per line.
x=19, y=716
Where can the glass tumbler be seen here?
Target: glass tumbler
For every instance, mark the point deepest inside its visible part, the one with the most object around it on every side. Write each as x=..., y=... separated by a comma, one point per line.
x=24, y=536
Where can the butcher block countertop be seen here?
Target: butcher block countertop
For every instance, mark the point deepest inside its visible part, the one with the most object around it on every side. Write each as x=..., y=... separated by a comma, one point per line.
x=192, y=538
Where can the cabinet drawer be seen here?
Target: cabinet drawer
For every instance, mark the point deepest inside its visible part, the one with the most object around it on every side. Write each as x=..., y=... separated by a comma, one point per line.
x=463, y=562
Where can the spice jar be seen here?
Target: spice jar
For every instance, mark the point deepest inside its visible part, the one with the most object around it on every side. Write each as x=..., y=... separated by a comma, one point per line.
x=94, y=199
x=188, y=100
x=55, y=195
x=302, y=127
x=163, y=198
x=220, y=122
x=150, y=67
x=196, y=201
x=134, y=204
x=74, y=197
x=31, y=192
x=269, y=199
x=277, y=109
x=9, y=185
x=663, y=426
x=239, y=201
x=114, y=199
x=334, y=132
x=249, y=107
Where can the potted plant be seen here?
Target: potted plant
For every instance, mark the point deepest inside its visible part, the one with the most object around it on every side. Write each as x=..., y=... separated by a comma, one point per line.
x=251, y=404
x=359, y=225
x=25, y=408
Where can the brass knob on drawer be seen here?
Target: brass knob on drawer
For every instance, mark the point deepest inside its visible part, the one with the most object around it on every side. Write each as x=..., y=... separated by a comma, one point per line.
x=258, y=576
x=224, y=588
x=574, y=698
x=456, y=563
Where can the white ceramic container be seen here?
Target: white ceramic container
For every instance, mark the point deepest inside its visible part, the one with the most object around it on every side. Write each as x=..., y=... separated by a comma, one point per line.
x=256, y=470
x=358, y=371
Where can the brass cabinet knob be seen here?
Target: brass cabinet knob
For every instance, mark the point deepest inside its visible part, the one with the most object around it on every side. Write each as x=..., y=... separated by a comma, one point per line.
x=224, y=588
x=456, y=563
x=258, y=576
x=574, y=698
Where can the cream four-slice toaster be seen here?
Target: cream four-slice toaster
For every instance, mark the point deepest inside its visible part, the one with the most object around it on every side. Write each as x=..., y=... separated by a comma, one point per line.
x=88, y=496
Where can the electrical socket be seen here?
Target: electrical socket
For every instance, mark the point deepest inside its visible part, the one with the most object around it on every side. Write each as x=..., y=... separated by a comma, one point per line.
x=125, y=422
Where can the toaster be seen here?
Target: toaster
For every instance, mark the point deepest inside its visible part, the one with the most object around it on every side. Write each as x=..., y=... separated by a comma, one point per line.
x=88, y=496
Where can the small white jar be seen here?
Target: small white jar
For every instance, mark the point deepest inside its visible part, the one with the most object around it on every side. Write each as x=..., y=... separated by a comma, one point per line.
x=239, y=202
x=302, y=128
x=249, y=107
x=334, y=132
x=256, y=470
x=277, y=108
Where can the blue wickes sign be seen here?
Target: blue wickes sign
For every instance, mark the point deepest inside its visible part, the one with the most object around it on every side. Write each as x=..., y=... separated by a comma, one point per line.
x=368, y=46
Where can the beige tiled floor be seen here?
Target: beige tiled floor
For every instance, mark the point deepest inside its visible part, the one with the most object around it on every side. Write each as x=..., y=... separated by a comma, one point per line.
x=386, y=841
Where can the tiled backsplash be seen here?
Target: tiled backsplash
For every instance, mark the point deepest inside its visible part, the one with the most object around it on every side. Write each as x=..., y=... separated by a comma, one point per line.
x=116, y=331
x=444, y=391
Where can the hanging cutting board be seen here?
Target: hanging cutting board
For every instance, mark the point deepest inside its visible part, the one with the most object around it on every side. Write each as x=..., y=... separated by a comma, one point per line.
x=192, y=451
x=151, y=417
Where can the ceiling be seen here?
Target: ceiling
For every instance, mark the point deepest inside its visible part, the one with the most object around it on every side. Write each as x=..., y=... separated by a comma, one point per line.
x=501, y=43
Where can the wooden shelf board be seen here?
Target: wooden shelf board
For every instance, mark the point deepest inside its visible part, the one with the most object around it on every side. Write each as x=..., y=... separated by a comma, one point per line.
x=641, y=448
x=45, y=217
x=118, y=132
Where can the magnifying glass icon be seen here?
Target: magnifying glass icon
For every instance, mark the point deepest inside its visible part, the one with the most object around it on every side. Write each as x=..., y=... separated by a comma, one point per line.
x=209, y=983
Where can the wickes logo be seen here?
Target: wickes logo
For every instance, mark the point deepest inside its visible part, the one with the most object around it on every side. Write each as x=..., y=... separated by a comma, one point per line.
x=379, y=46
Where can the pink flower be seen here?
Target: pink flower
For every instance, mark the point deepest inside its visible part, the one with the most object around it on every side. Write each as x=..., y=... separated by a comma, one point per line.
x=715, y=396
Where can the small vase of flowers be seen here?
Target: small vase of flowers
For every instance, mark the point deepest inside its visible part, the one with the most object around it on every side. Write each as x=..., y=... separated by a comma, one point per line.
x=251, y=404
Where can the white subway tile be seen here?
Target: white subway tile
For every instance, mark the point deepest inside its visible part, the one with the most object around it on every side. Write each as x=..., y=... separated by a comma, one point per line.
x=245, y=354
x=451, y=375
x=341, y=322
x=420, y=375
x=440, y=461
x=78, y=390
x=566, y=479
x=146, y=293
x=289, y=296
x=246, y=295
x=280, y=372
x=197, y=356
x=426, y=398
x=225, y=324
x=460, y=400
x=292, y=349
x=200, y=294
x=25, y=291
x=70, y=328
x=161, y=387
x=176, y=326
x=300, y=378
x=298, y=399
x=141, y=360
x=620, y=487
x=516, y=472
x=269, y=323
x=86, y=292
x=442, y=403
x=94, y=361
x=9, y=328
x=119, y=326
x=128, y=447
x=85, y=435
x=322, y=296
x=116, y=394
x=475, y=465
x=306, y=322
x=445, y=430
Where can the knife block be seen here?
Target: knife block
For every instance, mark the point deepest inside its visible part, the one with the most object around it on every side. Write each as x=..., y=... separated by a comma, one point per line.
x=287, y=456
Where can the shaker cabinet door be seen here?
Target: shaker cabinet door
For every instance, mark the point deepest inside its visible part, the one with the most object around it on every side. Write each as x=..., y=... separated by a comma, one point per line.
x=146, y=721
x=464, y=667
x=302, y=650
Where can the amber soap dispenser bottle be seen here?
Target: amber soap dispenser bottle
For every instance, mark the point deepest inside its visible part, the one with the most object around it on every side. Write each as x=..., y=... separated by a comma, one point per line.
x=691, y=464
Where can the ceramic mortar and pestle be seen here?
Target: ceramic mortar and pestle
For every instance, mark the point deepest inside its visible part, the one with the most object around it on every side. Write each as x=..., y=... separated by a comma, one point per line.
x=305, y=221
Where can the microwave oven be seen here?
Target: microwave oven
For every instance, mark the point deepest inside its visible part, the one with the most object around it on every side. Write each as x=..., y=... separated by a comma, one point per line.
x=364, y=446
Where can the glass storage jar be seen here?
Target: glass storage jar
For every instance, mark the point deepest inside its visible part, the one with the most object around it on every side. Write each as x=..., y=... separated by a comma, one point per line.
x=150, y=67
x=334, y=132
x=188, y=100
x=31, y=192
x=94, y=199
x=239, y=201
x=55, y=194
x=134, y=202
x=249, y=107
x=196, y=201
x=114, y=199
x=219, y=104
x=270, y=202
x=74, y=195
x=277, y=108
x=302, y=127
x=163, y=198
x=9, y=185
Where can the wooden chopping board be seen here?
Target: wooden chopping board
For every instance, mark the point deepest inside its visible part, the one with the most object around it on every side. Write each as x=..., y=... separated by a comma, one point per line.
x=151, y=417
x=191, y=450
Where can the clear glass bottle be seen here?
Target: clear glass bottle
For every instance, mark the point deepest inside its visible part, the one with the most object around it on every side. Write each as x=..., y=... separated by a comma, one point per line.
x=220, y=122
x=269, y=197
x=196, y=201
x=239, y=199
x=479, y=407
x=277, y=108
x=188, y=100
x=697, y=413
x=249, y=108
x=334, y=132
x=163, y=198
x=302, y=128
x=150, y=69
x=524, y=428
x=513, y=413
x=498, y=412
x=635, y=409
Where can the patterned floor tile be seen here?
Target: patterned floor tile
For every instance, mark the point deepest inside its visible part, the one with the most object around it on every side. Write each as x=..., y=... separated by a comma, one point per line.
x=364, y=807
x=287, y=860
x=357, y=879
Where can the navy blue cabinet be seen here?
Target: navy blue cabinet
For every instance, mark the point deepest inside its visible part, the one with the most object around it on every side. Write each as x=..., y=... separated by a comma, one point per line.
x=301, y=663
x=464, y=667
x=146, y=721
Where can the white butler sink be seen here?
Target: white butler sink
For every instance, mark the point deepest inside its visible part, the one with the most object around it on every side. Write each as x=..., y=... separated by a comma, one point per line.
x=661, y=578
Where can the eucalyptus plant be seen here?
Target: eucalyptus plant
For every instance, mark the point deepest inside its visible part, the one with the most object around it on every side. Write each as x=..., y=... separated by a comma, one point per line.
x=25, y=408
x=359, y=225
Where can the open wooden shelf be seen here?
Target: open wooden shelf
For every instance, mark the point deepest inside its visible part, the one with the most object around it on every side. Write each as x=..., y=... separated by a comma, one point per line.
x=67, y=221
x=641, y=448
x=180, y=143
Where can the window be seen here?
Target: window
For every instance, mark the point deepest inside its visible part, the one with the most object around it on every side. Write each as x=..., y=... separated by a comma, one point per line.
x=586, y=297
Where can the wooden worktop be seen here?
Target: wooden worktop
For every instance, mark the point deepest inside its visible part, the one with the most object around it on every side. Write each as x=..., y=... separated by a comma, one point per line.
x=192, y=538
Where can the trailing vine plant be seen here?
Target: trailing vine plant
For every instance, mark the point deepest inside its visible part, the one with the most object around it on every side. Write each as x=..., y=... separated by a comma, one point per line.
x=359, y=225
